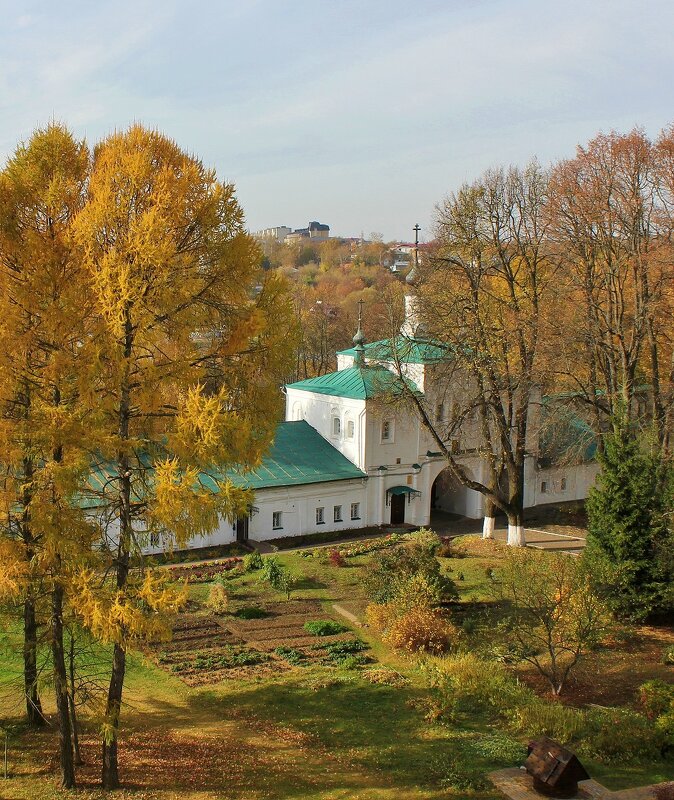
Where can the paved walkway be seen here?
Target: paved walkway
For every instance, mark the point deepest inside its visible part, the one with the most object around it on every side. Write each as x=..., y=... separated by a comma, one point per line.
x=547, y=540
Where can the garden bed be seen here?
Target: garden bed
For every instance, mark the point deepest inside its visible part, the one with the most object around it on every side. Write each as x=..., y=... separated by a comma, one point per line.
x=207, y=648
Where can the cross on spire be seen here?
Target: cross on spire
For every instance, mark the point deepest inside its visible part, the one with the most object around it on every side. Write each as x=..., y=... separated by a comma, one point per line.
x=359, y=338
x=416, y=230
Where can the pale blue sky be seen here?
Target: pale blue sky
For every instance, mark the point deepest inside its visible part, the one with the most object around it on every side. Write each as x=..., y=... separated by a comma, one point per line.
x=359, y=114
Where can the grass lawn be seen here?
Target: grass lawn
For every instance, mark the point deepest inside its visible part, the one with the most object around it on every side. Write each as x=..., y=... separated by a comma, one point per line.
x=275, y=730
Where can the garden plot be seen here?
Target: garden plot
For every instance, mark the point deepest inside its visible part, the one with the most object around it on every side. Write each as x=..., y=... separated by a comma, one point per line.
x=283, y=625
x=207, y=648
x=282, y=634
x=203, y=651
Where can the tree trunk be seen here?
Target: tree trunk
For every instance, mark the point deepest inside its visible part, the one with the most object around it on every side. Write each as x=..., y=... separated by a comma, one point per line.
x=33, y=704
x=110, y=776
x=71, y=698
x=516, y=531
x=110, y=772
x=489, y=520
x=61, y=689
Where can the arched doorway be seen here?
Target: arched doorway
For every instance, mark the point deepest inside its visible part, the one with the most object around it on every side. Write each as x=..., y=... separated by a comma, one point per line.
x=451, y=496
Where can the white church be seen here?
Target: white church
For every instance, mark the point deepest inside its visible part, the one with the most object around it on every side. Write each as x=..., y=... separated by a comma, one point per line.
x=344, y=458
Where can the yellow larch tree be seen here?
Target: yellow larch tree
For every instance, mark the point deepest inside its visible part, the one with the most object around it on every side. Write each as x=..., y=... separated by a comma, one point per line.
x=44, y=430
x=192, y=347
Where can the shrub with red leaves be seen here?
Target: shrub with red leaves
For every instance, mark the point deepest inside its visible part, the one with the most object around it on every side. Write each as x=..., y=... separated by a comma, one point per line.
x=336, y=558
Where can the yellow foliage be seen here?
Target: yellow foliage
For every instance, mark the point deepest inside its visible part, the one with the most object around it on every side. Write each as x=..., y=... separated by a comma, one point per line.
x=141, y=610
x=419, y=630
x=217, y=598
x=14, y=570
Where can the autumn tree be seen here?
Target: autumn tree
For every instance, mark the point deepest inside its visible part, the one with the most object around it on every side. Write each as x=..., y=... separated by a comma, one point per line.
x=189, y=361
x=555, y=617
x=481, y=294
x=44, y=430
x=609, y=215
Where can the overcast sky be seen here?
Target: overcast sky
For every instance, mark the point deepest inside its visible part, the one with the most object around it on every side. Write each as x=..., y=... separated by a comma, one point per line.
x=359, y=113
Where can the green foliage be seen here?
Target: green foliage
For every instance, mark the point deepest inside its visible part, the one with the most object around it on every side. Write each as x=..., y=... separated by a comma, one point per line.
x=344, y=648
x=668, y=655
x=232, y=657
x=252, y=562
x=278, y=576
x=389, y=573
x=629, y=541
x=465, y=685
x=291, y=655
x=554, y=616
x=324, y=627
x=251, y=612
x=347, y=654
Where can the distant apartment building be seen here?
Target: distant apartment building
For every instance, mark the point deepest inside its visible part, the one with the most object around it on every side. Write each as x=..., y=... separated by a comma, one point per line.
x=316, y=232
x=277, y=234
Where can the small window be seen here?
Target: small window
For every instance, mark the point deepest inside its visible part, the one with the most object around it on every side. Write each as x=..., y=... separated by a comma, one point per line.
x=336, y=426
x=387, y=431
x=277, y=520
x=397, y=461
x=440, y=412
x=355, y=510
x=337, y=516
x=350, y=429
x=154, y=540
x=544, y=487
x=320, y=515
x=563, y=484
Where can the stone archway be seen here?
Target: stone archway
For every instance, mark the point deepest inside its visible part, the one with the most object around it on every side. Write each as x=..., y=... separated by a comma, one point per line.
x=449, y=495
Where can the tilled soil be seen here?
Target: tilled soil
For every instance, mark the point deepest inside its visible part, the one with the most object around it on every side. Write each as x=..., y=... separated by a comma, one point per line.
x=205, y=647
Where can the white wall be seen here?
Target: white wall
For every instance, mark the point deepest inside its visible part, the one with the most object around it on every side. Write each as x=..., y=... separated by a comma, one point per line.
x=319, y=410
x=562, y=484
x=298, y=506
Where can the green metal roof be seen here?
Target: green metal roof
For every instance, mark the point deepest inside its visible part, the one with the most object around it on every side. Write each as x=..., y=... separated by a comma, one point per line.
x=298, y=455
x=356, y=383
x=406, y=349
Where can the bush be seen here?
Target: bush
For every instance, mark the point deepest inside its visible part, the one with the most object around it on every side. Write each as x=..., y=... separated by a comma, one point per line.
x=381, y=616
x=465, y=682
x=336, y=559
x=251, y=612
x=446, y=549
x=324, y=627
x=426, y=540
x=340, y=649
x=277, y=576
x=389, y=573
x=252, y=562
x=217, y=598
x=656, y=697
x=668, y=655
x=419, y=630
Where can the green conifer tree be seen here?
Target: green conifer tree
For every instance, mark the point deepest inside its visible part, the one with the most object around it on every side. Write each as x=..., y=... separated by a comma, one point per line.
x=628, y=525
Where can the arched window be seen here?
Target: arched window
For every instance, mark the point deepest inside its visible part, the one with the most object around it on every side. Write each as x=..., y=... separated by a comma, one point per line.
x=336, y=426
x=350, y=429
